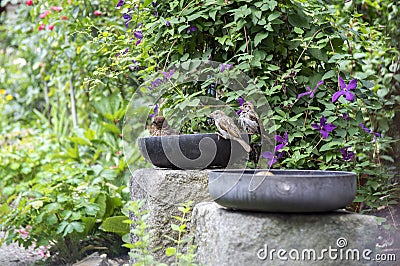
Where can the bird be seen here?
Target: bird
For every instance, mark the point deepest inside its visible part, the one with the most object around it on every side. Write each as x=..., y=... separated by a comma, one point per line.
x=227, y=128
x=160, y=127
x=248, y=118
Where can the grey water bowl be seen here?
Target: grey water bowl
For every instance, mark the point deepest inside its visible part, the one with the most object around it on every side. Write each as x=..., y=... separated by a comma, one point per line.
x=282, y=190
x=192, y=151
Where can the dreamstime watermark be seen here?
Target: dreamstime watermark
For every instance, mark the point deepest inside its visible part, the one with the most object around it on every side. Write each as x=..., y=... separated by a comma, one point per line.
x=338, y=252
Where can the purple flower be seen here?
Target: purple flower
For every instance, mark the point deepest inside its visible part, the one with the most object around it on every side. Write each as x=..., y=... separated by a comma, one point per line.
x=345, y=90
x=157, y=82
x=138, y=35
x=168, y=75
x=309, y=91
x=365, y=128
x=120, y=3
x=124, y=52
x=127, y=16
x=224, y=66
x=191, y=29
x=154, y=4
x=272, y=158
x=323, y=127
x=155, y=111
x=347, y=153
x=241, y=101
x=168, y=23
x=155, y=13
x=369, y=131
x=283, y=141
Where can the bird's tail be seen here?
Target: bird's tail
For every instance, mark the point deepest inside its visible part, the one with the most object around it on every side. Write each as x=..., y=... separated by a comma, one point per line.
x=244, y=144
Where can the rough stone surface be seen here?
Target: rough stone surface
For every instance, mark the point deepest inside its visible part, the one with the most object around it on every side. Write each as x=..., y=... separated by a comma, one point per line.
x=227, y=237
x=164, y=190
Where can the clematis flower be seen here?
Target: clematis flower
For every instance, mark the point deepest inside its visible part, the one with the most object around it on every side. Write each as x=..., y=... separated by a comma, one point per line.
x=323, y=127
x=241, y=101
x=347, y=153
x=120, y=3
x=56, y=8
x=369, y=131
x=44, y=14
x=168, y=23
x=191, y=29
x=224, y=66
x=310, y=91
x=51, y=27
x=64, y=18
x=345, y=90
x=41, y=27
x=272, y=157
x=138, y=35
x=97, y=13
x=157, y=82
x=283, y=141
x=29, y=2
x=155, y=111
x=168, y=75
x=127, y=16
x=154, y=4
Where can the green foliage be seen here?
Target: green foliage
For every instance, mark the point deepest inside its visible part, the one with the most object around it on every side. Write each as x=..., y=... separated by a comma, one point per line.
x=62, y=171
x=184, y=249
x=140, y=246
x=284, y=46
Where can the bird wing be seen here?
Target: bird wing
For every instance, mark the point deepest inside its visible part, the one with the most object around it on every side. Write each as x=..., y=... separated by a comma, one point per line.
x=229, y=126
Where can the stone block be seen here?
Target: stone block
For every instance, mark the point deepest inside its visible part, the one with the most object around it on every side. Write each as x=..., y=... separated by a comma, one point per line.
x=228, y=237
x=163, y=191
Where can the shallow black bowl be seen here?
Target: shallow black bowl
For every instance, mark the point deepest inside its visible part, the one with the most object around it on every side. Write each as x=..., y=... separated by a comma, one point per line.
x=282, y=190
x=193, y=151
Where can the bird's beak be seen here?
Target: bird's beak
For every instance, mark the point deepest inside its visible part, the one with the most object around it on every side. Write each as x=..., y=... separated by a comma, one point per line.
x=153, y=123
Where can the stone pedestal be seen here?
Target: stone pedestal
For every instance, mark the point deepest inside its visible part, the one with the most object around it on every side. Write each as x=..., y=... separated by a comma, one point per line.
x=163, y=191
x=227, y=237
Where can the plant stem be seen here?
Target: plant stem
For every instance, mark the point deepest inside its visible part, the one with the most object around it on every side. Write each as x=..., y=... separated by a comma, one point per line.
x=73, y=102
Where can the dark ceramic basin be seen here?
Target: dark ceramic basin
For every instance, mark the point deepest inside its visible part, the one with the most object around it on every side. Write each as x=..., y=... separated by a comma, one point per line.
x=193, y=151
x=283, y=191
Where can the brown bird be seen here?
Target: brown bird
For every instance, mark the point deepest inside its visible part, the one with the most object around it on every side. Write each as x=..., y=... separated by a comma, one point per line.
x=248, y=118
x=160, y=127
x=227, y=128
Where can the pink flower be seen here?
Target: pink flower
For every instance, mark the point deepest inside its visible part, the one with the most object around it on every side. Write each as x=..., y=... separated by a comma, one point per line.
x=29, y=2
x=41, y=27
x=23, y=233
x=64, y=18
x=56, y=8
x=43, y=252
x=44, y=14
x=97, y=13
x=118, y=153
x=51, y=27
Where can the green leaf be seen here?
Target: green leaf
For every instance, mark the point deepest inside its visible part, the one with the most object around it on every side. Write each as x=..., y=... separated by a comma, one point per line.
x=259, y=37
x=75, y=11
x=170, y=251
x=298, y=20
x=116, y=225
x=175, y=227
x=329, y=74
x=298, y=30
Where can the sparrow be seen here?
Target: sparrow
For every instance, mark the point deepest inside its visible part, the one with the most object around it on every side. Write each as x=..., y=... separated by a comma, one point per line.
x=160, y=127
x=248, y=118
x=227, y=128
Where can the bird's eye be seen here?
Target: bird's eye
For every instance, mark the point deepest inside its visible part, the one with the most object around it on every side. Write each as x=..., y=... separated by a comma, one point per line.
x=210, y=121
